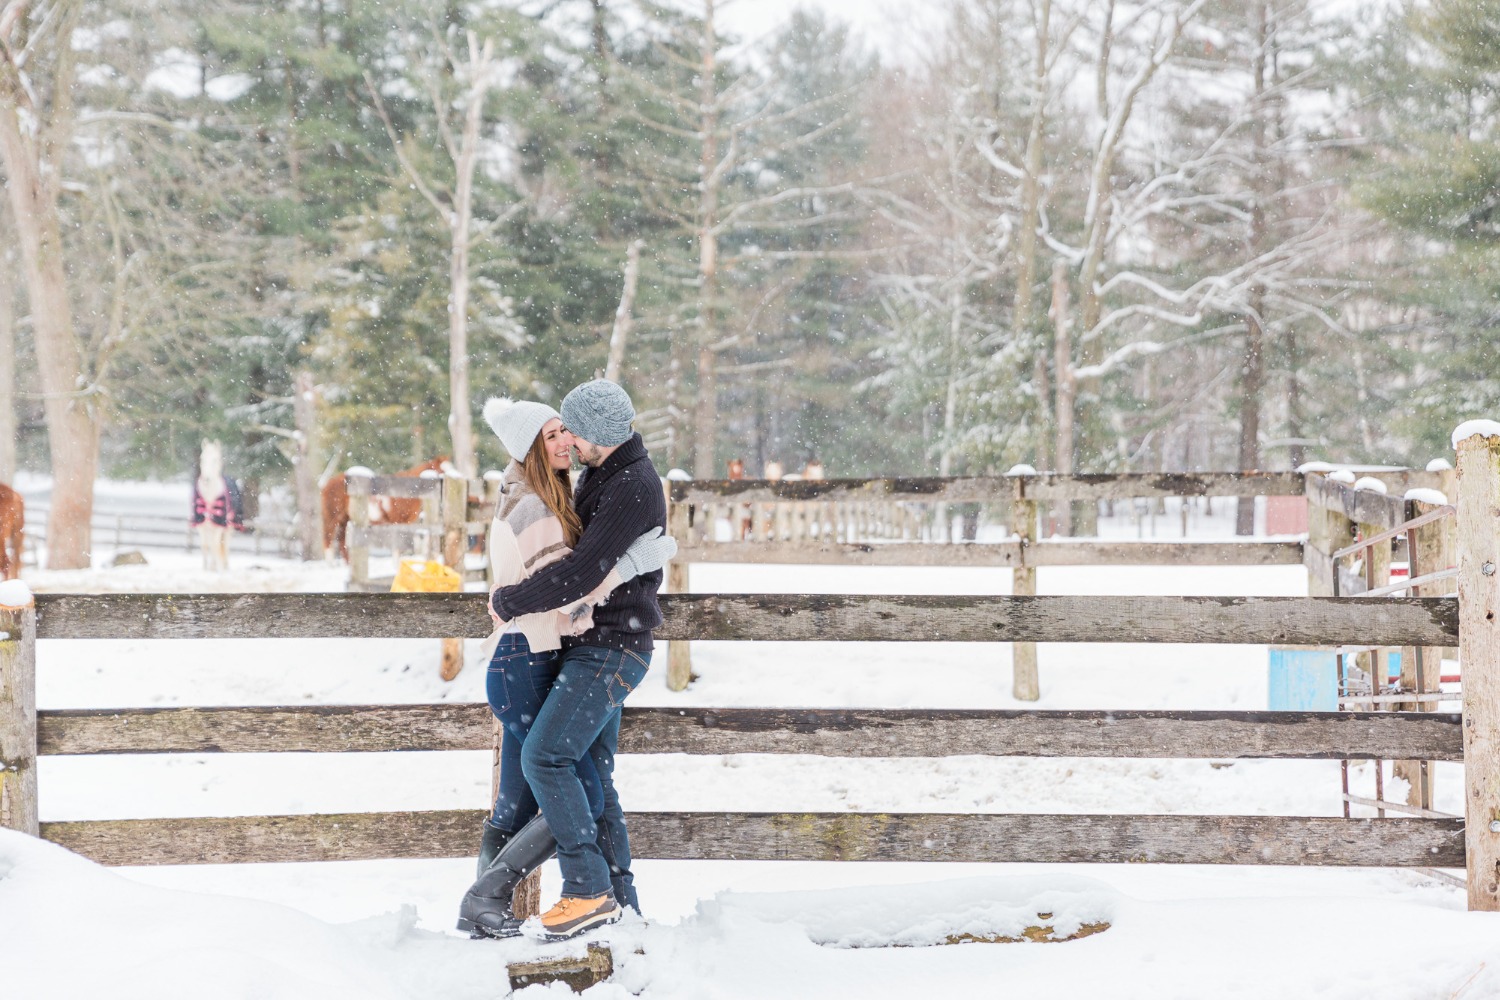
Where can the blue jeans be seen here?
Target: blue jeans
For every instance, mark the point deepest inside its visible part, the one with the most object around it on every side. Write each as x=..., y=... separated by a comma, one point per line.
x=581, y=721
x=517, y=683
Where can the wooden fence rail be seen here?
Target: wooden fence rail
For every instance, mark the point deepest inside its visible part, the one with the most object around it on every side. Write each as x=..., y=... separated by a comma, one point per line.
x=1359, y=506
x=739, y=836
x=825, y=732
x=1045, y=486
x=1051, y=552
x=778, y=617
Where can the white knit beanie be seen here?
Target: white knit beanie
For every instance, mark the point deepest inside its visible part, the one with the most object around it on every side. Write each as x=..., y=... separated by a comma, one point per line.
x=517, y=423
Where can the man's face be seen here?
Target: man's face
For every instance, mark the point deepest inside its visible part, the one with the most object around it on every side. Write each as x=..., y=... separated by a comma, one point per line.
x=589, y=454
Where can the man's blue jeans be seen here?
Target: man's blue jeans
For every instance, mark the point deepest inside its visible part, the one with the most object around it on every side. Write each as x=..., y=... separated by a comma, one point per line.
x=581, y=720
x=517, y=684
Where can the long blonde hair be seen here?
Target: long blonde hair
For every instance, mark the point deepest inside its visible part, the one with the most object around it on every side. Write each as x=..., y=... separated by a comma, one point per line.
x=553, y=486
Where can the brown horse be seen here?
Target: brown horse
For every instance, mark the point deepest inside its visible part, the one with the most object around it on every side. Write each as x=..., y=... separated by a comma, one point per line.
x=12, y=532
x=383, y=510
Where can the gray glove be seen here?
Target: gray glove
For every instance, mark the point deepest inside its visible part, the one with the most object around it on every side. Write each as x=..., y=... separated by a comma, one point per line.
x=650, y=552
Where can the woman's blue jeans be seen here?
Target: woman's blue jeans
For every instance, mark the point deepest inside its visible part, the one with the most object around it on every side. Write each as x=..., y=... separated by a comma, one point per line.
x=517, y=685
x=579, y=722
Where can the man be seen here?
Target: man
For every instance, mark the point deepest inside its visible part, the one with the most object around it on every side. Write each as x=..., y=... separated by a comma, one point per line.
x=618, y=498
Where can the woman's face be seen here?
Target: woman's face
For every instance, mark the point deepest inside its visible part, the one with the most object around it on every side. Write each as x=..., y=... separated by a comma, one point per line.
x=559, y=444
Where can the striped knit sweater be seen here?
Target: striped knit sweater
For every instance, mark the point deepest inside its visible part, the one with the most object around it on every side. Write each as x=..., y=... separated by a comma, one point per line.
x=526, y=538
x=617, y=502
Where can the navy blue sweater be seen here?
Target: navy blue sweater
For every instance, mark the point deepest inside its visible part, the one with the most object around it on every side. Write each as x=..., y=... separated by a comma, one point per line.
x=617, y=503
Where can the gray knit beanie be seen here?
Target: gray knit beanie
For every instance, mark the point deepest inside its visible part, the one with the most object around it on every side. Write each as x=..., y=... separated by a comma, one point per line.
x=517, y=424
x=599, y=412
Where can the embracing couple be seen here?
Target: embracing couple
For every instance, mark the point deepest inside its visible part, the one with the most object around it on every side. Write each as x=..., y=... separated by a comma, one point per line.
x=576, y=574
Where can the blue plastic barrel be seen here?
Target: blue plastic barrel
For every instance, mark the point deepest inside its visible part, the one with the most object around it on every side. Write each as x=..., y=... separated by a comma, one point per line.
x=1303, y=680
x=1307, y=680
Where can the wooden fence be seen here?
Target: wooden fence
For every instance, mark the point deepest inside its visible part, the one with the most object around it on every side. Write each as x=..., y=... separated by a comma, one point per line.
x=848, y=733
x=1468, y=621
x=830, y=521
x=1352, y=520
x=125, y=530
x=453, y=509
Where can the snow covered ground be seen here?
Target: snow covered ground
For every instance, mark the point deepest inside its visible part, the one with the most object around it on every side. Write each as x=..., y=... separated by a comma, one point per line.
x=720, y=929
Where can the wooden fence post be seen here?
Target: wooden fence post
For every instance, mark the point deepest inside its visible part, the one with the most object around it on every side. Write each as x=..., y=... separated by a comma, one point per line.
x=1377, y=560
x=18, y=808
x=1419, y=664
x=1327, y=532
x=679, y=653
x=455, y=515
x=1429, y=550
x=359, y=488
x=1478, y=444
x=1318, y=546
x=1025, y=683
x=1448, y=484
x=432, y=520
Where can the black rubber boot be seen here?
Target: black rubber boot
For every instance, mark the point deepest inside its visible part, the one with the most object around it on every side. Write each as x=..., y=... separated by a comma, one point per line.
x=491, y=840
x=486, y=907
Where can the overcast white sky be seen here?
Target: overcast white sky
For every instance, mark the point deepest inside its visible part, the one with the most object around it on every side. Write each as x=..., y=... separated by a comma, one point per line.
x=888, y=25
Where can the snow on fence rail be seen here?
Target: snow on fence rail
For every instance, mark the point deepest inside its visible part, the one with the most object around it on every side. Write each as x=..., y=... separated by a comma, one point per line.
x=1421, y=842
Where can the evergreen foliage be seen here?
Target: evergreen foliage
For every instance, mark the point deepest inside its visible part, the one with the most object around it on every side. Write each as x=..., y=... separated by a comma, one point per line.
x=237, y=211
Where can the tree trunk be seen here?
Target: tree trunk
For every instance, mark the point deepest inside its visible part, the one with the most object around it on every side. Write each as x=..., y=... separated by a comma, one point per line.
x=705, y=423
x=9, y=382
x=72, y=430
x=1298, y=452
x=1252, y=378
x=304, y=409
x=1026, y=236
x=950, y=399
x=1044, y=407
x=1067, y=386
x=460, y=419
x=624, y=314
x=600, y=32
x=1031, y=181
x=460, y=425
x=1252, y=375
x=943, y=513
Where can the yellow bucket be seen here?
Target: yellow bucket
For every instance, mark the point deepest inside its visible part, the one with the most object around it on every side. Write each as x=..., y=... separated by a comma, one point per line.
x=421, y=576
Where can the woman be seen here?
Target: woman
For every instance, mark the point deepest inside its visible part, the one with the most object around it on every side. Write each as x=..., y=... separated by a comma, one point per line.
x=534, y=526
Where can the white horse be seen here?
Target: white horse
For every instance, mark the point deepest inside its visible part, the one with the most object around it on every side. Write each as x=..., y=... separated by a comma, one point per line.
x=212, y=507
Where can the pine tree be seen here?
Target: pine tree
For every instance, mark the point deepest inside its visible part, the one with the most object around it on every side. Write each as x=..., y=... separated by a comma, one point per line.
x=1437, y=79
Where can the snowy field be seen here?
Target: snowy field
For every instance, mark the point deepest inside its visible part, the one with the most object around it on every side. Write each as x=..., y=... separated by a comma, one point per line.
x=721, y=929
